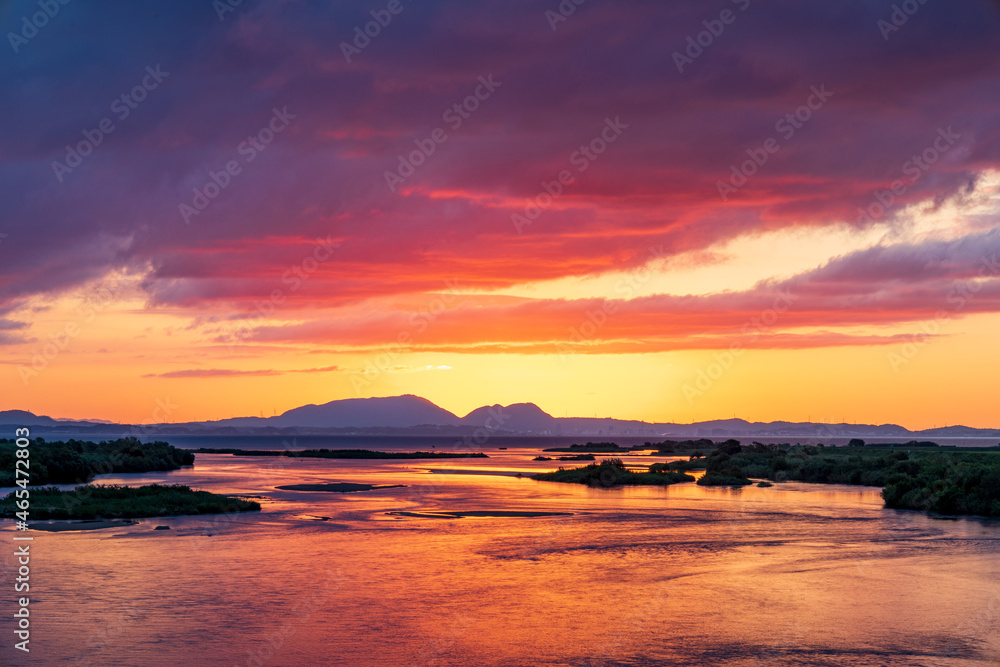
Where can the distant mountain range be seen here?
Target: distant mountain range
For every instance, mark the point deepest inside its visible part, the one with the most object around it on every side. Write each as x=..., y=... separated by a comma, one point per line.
x=412, y=415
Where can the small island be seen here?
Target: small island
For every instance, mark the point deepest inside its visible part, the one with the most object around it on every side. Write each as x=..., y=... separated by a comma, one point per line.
x=612, y=472
x=79, y=461
x=99, y=502
x=338, y=487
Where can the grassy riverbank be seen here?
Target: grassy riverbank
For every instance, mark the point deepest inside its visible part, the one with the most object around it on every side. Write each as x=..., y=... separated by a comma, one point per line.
x=917, y=476
x=79, y=461
x=612, y=472
x=123, y=502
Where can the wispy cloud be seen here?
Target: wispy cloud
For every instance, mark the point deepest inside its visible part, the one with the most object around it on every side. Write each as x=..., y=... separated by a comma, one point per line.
x=226, y=373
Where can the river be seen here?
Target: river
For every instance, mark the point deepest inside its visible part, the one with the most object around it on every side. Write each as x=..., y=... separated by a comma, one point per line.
x=795, y=574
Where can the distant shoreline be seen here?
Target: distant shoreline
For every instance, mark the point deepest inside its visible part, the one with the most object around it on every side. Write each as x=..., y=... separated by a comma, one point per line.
x=341, y=453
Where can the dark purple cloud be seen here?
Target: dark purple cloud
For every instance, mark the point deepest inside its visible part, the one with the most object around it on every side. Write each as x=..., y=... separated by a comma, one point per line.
x=324, y=174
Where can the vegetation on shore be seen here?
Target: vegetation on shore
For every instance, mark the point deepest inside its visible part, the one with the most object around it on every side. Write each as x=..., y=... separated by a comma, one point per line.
x=680, y=446
x=123, y=502
x=598, y=447
x=612, y=472
x=342, y=454
x=78, y=461
x=914, y=475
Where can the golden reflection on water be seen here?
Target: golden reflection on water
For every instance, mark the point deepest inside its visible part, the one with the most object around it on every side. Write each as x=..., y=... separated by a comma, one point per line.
x=682, y=575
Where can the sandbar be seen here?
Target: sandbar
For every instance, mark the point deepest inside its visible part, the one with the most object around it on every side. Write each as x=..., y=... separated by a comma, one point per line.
x=65, y=526
x=479, y=513
x=338, y=487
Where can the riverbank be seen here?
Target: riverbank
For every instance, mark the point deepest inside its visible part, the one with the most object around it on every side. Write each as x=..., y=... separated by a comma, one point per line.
x=99, y=502
x=917, y=475
x=79, y=461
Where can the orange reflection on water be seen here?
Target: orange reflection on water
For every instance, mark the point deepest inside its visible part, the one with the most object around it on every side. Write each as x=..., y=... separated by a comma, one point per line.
x=642, y=575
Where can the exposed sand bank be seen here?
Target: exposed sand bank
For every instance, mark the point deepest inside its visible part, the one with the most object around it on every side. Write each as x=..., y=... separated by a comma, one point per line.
x=65, y=526
x=479, y=513
x=338, y=487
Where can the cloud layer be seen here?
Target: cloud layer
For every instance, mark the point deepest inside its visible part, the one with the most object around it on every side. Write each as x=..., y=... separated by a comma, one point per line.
x=303, y=217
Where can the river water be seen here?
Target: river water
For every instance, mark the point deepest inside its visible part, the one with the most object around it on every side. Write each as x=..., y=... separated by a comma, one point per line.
x=795, y=574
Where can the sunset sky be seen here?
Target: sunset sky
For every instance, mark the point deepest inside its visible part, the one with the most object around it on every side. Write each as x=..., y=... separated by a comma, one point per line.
x=239, y=210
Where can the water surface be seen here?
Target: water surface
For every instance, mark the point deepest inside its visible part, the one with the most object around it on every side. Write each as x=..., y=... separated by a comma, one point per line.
x=795, y=574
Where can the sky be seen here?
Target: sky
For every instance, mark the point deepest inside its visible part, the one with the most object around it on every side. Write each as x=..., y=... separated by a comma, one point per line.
x=668, y=211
